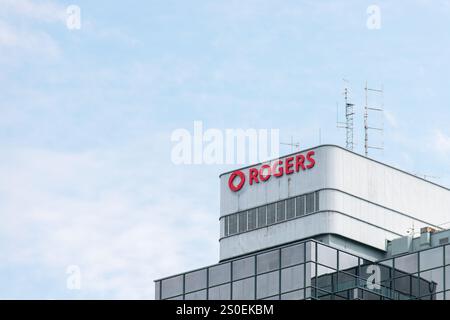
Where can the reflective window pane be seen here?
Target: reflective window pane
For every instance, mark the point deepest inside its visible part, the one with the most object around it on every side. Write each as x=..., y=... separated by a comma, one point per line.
x=195, y=280
x=296, y=295
x=325, y=278
x=447, y=278
x=243, y=221
x=157, y=288
x=252, y=219
x=232, y=224
x=290, y=211
x=222, y=292
x=198, y=295
x=268, y=261
x=268, y=284
x=172, y=287
x=407, y=287
x=225, y=227
x=447, y=255
x=434, y=280
x=300, y=206
x=222, y=227
x=406, y=264
x=310, y=273
x=244, y=289
x=316, y=195
x=347, y=261
x=327, y=256
x=310, y=251
x=281, y=211
x=262, y=217
x=292, y=278
x=243, y=268
x=219, y=274
x=293, y=255
x=431, y=258
x=310, y=203
x=271, y=213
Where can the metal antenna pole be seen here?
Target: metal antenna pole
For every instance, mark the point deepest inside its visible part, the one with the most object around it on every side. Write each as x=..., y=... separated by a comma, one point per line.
x=367, y=127
x=348, y=125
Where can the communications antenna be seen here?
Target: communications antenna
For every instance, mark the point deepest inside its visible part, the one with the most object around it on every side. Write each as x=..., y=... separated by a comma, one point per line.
x=349, y=115
x=372, y=108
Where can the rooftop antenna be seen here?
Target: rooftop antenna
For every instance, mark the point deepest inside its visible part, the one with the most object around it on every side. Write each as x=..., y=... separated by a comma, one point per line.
x=292, y=144
x=375, y=108
x=349, y=115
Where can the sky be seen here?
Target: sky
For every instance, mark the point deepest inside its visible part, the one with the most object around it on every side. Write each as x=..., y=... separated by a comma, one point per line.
x=87, y=181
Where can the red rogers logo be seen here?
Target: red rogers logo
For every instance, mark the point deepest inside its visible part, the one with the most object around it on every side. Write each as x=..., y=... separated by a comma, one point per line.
x=278, y=168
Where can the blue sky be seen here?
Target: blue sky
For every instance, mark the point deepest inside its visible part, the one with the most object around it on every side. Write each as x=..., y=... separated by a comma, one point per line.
x=86, y=118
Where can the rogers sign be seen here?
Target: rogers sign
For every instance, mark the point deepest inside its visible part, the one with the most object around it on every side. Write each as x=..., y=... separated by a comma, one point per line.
x=277, y=169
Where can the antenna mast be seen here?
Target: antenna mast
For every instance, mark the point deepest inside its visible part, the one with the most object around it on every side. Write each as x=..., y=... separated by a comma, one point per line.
x=349, y=115
x=367, y=109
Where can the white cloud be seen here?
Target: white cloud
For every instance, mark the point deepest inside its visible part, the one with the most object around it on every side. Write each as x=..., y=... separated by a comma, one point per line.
x=441, y=142
x=118, y=222
x=44, y=11
x=391, y=118
x=33, y=42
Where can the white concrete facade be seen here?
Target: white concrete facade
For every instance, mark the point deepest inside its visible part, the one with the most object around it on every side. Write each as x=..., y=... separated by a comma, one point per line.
x=360, y=199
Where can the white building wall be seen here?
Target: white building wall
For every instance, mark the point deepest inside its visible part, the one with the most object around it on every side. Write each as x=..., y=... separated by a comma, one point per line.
x=361, y=199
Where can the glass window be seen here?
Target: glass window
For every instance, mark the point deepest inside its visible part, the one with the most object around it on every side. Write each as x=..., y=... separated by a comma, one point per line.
x=242, y=221
x=243, y=268
x=407, y=286
x=268, y=284
x=325, y=278
x=219, y=274
x=292, y=278
x=262, y=217
x=176, y=298
x=157, y=287
x=281, y=211
x=431, y=258
x=406, y=264
x=317, y=201
x=244, y=289
x=347, y=261
x=290, y=212
x=310, y=203
x=388, y=263
x=293, y=255
x=172, y=287
x=232, y=224
x=252, y=219
x=447, y=254
x=327, y=256
x=226, y=232
x=300, y=208
x=310, y=251
x=198, y=295
x=271, y=213
x=222, y=292
x=222, y=227
x=268, y=261
x=296, y=295
x=434, y=281
x=194, y=281
x=447, y=278
x=310, y=273
x=347, y=280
